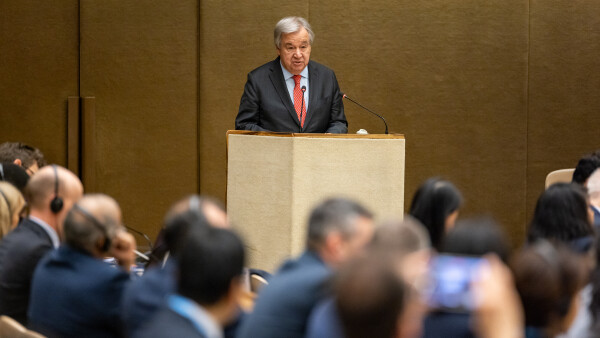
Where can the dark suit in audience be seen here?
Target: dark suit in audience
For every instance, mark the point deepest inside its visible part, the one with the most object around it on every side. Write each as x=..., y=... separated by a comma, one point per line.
x=20, y=252
x=87, y=303
x=284, y=305
x=168, y=323
x=74, y=293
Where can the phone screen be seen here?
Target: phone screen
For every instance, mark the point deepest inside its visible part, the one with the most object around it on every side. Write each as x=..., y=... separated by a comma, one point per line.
x=450, y=282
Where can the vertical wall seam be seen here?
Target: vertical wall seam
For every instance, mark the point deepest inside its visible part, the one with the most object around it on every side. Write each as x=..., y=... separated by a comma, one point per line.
x=527, y=84
x=198, y=50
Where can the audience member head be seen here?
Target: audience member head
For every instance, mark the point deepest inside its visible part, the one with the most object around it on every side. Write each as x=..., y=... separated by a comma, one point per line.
x=561, y=213
x=30, y=158
x=211, y=263
x=11, y=205
x=338, y=229
x=15, y=175
x=593, y=188
x=190, y=211
x=585, y=167
x=51, y=193
x=436, y=204
x=371, y=297
x=548, y=278
x=92, y=224
x=476, y=237
x=400, y=237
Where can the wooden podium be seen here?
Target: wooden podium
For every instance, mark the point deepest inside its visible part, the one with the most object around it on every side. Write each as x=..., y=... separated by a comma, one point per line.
x=275, y=179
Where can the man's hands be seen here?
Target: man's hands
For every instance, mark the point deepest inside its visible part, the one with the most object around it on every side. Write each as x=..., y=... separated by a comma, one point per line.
x=123, y=249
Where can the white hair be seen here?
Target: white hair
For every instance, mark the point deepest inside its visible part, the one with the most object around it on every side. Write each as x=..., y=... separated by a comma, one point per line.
x=291, y=24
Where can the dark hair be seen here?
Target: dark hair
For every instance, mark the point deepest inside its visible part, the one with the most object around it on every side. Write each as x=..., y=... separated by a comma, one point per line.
x=476, y=237
x=547, y=277
x=334, y=214
x=10, y=151
x=585, y=167
x=594, y=306
x=370, y=296
x=15, y=175
x=432, y=203
x=561, y=213
x=178, y=220
x=210, y=260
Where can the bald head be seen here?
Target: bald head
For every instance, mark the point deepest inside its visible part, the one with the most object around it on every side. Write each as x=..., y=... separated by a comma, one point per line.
x=207, y=208
x=93, y=220
x=51, y=181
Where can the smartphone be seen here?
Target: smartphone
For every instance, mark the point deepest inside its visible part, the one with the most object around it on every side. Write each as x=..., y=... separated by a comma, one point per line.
x=450, y=281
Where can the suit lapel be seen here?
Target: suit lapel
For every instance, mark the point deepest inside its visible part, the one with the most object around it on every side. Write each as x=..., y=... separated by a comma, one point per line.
x=313, y=89
x=278, y=81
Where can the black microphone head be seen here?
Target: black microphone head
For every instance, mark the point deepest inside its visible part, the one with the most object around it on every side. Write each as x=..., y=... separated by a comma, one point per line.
x=303, y=89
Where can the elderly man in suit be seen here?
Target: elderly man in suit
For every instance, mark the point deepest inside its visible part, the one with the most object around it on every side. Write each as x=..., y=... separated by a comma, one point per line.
x=292, y=93
x=51, y=193
x=74, y=293
x=338, y=230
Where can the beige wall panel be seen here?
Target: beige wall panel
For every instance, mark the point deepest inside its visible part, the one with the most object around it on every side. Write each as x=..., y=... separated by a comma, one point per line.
x=235, y=37
x=564, y=80
x=451, y=76
x=139, y=59
x=38, y=71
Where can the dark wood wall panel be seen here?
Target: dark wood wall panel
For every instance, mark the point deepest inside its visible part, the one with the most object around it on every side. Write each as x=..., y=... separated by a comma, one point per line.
x=38, y=71
x=564, y=80
x=451, y=76
x=139, y=61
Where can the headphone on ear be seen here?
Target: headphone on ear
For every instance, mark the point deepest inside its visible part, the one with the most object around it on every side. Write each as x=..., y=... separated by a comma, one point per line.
x=1, y=172
x=101, y=226
x=56, y=204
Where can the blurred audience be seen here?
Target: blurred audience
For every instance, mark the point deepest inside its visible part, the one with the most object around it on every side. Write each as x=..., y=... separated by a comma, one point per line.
x=74, y=293
x=548, y=278
x=51, y=193
x=562, y=213
x=405, y=247
x=208, y=289
x=585, y=167
x=145, y=296
x=338, y=230
x=371, y=297
x=475, y=237
x=15, y=175
x=29, y=158
x=436, y=205
x=593, y=187
x=11, y=206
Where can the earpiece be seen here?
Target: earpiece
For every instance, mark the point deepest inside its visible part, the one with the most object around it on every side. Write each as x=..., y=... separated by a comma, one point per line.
x=56, y=204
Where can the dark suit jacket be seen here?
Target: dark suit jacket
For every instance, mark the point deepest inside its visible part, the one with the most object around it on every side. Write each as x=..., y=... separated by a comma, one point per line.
x=20, y=252
x=283, y=306
x=76, y=295
x=266, y=104
x=166, y=324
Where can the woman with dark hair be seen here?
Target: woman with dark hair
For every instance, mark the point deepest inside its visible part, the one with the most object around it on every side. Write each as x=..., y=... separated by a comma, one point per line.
x=562, y=213
x=436, y=204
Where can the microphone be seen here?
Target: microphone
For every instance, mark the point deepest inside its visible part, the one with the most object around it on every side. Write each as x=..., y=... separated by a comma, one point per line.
x=367, y=109
x=302, y=106
x=141, y=234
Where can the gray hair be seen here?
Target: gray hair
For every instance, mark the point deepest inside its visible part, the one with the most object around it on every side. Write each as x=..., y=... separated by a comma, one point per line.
x=336, y=214
x=291, y=24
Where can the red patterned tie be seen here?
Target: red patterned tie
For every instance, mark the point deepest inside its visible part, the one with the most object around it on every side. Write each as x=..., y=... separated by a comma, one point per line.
x=298, y=100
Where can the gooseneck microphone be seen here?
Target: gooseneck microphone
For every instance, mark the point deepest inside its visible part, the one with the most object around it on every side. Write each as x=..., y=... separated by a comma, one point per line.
x=302, y=106
x=367, y=109
x=141, y=234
